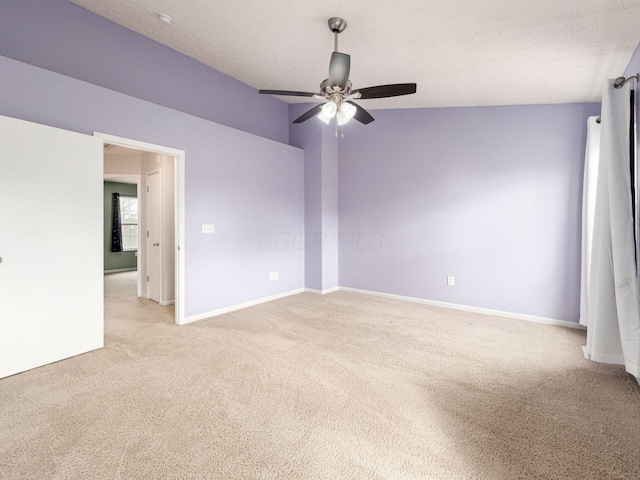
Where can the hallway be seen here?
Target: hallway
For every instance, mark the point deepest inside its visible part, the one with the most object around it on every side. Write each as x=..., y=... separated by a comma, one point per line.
x=121, y=305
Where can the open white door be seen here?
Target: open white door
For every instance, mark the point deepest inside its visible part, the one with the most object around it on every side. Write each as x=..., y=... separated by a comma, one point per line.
x=51, y=283
x=154, y=235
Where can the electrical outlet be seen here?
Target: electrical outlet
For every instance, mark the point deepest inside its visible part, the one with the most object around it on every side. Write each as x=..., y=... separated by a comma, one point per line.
x=270, y=276
x=275, y=275
x=207, y=228
x=451, y=281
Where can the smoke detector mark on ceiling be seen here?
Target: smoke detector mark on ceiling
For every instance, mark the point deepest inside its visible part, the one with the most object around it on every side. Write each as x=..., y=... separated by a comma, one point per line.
x=164, y=18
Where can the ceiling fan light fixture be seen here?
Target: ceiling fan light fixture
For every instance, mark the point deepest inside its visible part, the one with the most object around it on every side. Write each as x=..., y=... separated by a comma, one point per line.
x=329, y=109
x=348, y=110
x=345, y=113
x=324, y=118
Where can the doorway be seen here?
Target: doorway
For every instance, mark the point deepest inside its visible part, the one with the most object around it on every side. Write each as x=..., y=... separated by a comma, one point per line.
x=160, y=259
x=127, y=186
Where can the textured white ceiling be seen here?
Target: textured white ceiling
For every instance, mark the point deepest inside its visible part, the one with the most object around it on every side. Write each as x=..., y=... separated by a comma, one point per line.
x=459, y=52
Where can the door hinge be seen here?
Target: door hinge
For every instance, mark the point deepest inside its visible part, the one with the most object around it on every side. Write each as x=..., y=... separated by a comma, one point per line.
x=147, y=189
x=147, y=233
x=147, y=278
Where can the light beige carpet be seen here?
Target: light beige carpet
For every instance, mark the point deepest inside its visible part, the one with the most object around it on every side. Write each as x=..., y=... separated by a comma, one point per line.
x=341, y=386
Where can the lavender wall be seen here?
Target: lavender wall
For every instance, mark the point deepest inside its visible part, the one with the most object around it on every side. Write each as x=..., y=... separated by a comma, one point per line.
x=489, y=195
x=330, y=195
x=308, y=136
x=62, y=37
x=246, y=185
x=321, y=198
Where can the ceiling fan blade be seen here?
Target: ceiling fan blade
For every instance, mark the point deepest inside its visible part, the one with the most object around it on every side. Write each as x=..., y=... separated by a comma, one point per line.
x=287, y=93
x=384, y=91
x=307, y=115
x=339, y=69
x=361, y=114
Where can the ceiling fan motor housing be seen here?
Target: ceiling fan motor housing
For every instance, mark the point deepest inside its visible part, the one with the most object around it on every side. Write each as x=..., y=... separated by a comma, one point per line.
x=337, y=24
x=330, y=91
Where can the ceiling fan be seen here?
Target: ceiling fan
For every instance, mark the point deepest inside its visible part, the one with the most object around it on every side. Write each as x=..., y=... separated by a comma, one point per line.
x=337, y=95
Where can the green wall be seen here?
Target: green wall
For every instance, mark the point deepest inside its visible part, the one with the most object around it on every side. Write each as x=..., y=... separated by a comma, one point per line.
x=118, y=260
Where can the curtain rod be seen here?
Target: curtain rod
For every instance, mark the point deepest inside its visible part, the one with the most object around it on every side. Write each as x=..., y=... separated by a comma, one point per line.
x=621, y=80
x=618, y=83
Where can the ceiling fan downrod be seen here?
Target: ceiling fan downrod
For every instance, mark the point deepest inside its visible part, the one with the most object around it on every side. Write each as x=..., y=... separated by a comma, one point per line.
x=337, y=26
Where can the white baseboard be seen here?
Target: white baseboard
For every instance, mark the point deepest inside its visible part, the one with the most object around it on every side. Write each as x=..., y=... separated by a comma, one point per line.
x=167, y=303
x=119, y=270
x=321, y=292
x=220, y=311
x=466, y=308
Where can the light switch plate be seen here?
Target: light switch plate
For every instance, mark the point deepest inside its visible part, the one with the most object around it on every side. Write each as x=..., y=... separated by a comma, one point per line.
x=207, y=228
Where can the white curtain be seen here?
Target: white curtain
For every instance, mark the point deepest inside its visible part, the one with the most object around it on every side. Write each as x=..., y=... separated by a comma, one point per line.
x=613, y=325
x=591, y=161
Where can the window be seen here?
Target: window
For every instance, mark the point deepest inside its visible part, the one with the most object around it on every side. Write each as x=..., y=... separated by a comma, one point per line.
x=129, y=222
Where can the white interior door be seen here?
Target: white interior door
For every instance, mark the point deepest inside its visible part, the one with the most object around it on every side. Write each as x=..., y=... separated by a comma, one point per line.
x=154, y=233
x=51, y=281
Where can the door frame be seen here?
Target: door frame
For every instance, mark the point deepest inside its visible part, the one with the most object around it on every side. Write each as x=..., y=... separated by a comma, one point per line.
x=179, y=207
